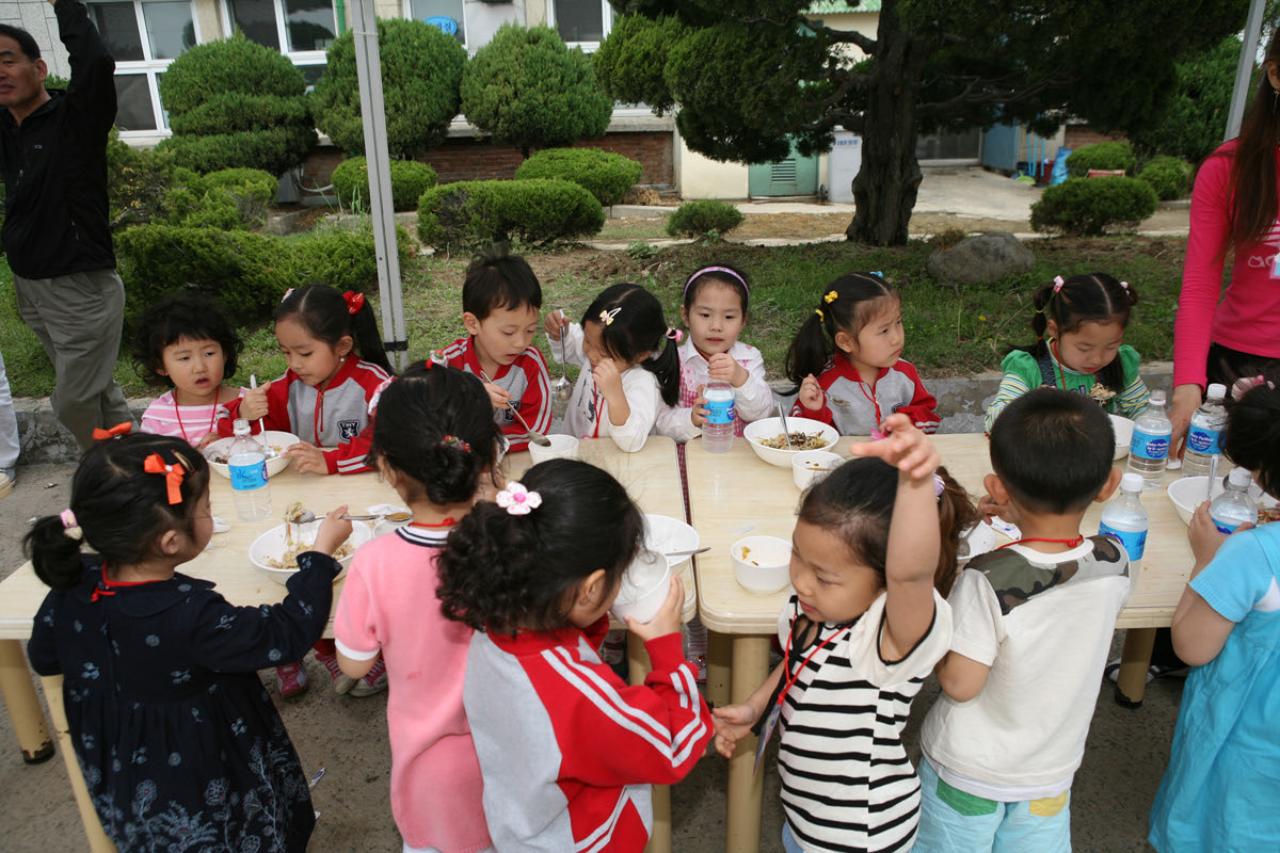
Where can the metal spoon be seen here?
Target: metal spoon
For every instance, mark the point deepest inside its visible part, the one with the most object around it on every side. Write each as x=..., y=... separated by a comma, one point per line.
x=562, y=389
x=306, y=516
x=533, y=435
x=785, y=431
x=1213, y=475
x=701, y=550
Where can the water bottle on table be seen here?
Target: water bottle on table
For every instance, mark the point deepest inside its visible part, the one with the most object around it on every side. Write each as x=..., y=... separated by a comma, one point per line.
x=1204, y=437
x=1234, y=507
x=247, y=461
x=1125, y=518
x=717, y=432
x=1149, y=448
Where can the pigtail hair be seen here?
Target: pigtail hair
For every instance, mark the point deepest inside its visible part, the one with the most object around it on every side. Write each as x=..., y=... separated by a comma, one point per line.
x=364, y=329
x=666, y=367
x=485, y=569
x=956, y=515
x=810, y=350
x=54, y=554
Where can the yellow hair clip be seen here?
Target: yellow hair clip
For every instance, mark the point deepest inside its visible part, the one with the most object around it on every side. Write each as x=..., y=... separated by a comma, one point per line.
x=821, y=316
x=831, y=296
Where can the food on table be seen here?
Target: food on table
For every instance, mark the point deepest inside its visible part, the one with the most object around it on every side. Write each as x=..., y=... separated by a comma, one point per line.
x=289, y=559
x=1268, y=514
x=746, y=556
x=796, y=441
x=1101, y=393
x=397, y=517
x=294, y=513
x=221, y=457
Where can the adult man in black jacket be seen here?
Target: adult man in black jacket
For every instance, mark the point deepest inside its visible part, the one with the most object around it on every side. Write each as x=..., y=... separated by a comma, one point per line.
x=53, y=158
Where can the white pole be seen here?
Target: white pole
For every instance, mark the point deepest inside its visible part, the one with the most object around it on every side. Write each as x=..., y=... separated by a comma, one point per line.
x=1244, y=70
x=372, y=111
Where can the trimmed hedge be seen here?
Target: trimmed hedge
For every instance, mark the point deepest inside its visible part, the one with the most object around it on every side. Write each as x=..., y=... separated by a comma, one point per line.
x=606, y=175
x=273, y=150
x=1169, y=176
x=703, y=218
x=536, y=211
x=1100, y=155
x=409, y=180
x=1087, y=206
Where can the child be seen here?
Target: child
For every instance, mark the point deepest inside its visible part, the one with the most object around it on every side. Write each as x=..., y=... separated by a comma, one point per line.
x=862, y=632
x=1033, y=623
x=501, y=299
x=1079, y=325
x=179, y=745
x=388, y=602
x=630, y=367
x=846, y=360
x=715, y=310
x=185, y=343
x=567, y=750
x=1219, y=790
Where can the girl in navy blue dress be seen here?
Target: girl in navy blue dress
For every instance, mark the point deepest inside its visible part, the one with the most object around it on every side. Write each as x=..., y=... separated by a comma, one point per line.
x=179, y=744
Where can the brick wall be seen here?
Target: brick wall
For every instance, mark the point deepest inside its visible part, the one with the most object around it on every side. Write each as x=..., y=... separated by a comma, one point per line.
x=1082, y=134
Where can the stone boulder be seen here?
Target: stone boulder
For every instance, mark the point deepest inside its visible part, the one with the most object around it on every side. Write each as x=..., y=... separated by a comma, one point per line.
x=984, y=258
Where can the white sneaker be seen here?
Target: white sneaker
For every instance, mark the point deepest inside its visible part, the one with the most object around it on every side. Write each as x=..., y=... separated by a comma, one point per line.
x=6, y=483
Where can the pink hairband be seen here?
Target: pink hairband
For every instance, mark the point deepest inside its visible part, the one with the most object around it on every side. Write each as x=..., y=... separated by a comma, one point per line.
x=725, y=270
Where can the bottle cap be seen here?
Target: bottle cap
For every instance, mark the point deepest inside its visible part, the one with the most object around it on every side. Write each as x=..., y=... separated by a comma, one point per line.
x=1157, y=397
x=240, y=426
x=1131, y=482
x=1216, y=391
x=1241, y=477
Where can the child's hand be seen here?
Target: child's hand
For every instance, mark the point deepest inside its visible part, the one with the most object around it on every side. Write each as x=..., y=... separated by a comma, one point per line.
x=307, y=458
x=698, y=414
x=668, y=618
x=254, y=404
x=1204, y=535
x=723, y=368
x=555, y=323
x=607, y=376
x=732, y=723
x=811, y=396
x=904, y=447
x=989, y=508
x=499, y=397
x=334, y=530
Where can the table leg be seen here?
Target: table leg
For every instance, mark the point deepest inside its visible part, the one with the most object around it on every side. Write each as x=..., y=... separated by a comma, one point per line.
x=1135, y=659
x=23, y=704
x=660, y=838
x=98, y=841
x=719, y=667
x=746, y=787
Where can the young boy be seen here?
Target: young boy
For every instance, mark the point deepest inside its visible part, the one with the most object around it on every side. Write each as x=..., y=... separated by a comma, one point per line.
x=1033, y=625
x=501, y=299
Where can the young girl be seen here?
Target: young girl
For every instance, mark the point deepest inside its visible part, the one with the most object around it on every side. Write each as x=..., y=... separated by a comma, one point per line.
x=715, y=310
x=185, y=343
x=862, y=632
x=846, y=360
x=388, y=605
x=1079, y=325
x=179, y=744
x=566, y=749
x=629, y=365
x=1227, y=627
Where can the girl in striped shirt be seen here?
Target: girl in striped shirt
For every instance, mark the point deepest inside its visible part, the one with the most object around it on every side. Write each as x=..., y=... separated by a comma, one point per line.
x=1079, y=325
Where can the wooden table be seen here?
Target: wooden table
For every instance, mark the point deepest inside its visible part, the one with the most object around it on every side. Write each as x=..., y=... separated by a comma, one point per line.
x=736, y=494
x=652, y=477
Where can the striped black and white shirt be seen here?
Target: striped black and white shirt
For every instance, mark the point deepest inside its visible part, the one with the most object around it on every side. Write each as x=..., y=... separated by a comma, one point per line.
x=847, y=784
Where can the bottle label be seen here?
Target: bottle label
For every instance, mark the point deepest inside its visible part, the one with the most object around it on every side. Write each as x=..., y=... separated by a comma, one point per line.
x=246, y=478
x=1202, y=440
x=1146, y=446
x=1225, y=527
x=719, y=412
x=1134, y=541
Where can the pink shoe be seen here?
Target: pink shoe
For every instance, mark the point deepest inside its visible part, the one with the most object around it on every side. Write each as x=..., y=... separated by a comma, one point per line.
x=291, y=679
x=341, y=682
x=374, y=681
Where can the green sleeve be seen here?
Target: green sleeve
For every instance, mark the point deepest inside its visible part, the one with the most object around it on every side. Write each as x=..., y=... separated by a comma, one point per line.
x=1021, y=374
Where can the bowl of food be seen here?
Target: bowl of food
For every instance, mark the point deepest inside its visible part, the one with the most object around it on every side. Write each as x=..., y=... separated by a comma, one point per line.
x=274, y=444
x=643, y=588
x=762, y=563
x=1188, y=493
x=769, y=443
x=275, y=553
x=809, y=466
x=562, y=447
x=1123, y=428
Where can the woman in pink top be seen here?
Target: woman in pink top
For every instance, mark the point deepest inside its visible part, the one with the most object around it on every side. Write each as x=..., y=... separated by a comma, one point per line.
x=1233, y=211
x=436, y=443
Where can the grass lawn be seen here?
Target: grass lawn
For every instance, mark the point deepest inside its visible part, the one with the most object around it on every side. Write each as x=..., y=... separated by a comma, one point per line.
x=949, y=331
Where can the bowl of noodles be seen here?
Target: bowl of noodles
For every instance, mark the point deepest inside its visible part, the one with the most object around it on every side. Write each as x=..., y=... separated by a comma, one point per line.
x=274, y=444
x=769, y=443
x=275, y=553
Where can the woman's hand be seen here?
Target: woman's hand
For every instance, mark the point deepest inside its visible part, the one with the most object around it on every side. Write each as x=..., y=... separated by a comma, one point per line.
x=811, y=396
x=307, y=458
x=1186, y=399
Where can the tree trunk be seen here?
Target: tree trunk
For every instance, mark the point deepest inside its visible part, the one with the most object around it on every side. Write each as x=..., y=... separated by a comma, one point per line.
x=885, y=188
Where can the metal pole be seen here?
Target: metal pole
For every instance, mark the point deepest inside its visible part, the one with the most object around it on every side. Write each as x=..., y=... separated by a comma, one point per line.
x=372, y=111
x=1244, y=70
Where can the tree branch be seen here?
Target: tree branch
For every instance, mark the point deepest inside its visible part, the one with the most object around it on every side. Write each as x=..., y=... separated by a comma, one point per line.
x=868, y=45
x=994, y=93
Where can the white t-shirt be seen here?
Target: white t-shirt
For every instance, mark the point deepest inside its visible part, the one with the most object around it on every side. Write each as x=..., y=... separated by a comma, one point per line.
x=587, y=415
x=1043, y=624
x=752, y=401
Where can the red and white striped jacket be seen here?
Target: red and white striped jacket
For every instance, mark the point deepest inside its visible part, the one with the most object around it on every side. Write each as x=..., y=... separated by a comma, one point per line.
x=525, y=379
x=857, y=407
x=567, y=750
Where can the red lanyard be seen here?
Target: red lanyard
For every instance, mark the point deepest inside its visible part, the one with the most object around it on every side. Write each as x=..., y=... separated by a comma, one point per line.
x=1075, y=542
x=595, y=407
x=106, y=586
x=213, y=417
x=449, y=521
x=317, y=417
x=790, y=678
x=862, y=386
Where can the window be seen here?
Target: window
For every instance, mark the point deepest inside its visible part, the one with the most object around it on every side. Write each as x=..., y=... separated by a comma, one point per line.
x=584, y=23
x=448, y=15
x=300, y=29
x=144, y=36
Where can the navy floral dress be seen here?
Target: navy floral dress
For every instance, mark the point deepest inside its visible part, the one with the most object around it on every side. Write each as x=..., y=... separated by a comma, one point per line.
x=178, y=741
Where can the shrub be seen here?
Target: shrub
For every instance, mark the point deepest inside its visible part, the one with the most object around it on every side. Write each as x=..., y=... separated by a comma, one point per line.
x=138, y=181
x=1168, y=176
x=528, y=90
x=605, y=175
x=1195, y=110
x=1100, y=155
x=630, y=62
x=703, y=218
x=343, y=257
x=250, y=190
x=1086, y=206
x=536, y=211
x=421, y=73
x=409, y=180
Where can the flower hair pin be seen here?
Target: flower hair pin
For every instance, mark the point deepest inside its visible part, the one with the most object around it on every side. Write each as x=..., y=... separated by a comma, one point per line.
x=831, y=296
x=455, y=442
x=1124, y=285
x=1058, y=281
x=607, y=316
x=173, y=475
x=674, y=334
x=517, y=500
x=939, y=486
x=437, y=357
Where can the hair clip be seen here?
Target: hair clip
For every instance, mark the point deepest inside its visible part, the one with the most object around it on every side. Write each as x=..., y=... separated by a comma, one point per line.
x=377, y=392
x=1058, y=281
x=674, y=334
x=726, y=271
x=939, y=486
x=70, y=527
x=1124, y=285
x=455, y=442
x=606, y=317
x=831, y=296
x=517, y=500
x=878, y=274
x=122, y=428
x=437, y=357
x=355, y=301
x=287, y=294
x=173, y=474
x=821, y=316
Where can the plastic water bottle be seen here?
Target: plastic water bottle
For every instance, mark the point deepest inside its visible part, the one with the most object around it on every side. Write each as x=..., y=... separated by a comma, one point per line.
x=717, y=432
x=1125, y=518
x=248, y=464
x=1234, y=507
x=1204, y=437
x=1149, y=448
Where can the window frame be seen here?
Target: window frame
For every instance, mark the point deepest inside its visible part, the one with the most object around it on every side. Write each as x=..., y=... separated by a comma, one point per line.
x=606, y=25
x=406, y=11
x=299, y=58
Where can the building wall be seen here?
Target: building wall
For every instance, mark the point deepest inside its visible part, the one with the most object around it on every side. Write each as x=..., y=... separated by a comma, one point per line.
x=38, y=19
x=1076, y=135
x=701, y=177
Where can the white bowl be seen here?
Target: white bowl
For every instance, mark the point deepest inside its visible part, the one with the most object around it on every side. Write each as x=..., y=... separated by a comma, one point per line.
x=1187, y=493
x=1123, y=428
x=275, y=439
x=762, y=563
x=271, y=545
x=766, y=428
x=662, y=533
x=809, y=466
x=643, y=588
x=562, y=447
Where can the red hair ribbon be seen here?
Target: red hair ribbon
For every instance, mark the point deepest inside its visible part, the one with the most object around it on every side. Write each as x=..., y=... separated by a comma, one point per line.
x=122, y=428
x=355, y=301
x=173, y=474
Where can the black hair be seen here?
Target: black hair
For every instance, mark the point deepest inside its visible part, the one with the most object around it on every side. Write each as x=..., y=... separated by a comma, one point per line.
x=857, y=297
x=1252, y=438
x=1053, y=450
x=496, y=279
x=24, y=39
x=434, y=424
x=1092, y=298
x=120, y=508
x=637, y=326
x=324, y=313
x=501, y=572
x=182, y=315
x=717, y=273
x=856, y=502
